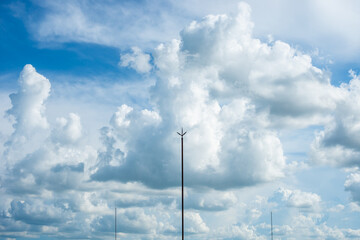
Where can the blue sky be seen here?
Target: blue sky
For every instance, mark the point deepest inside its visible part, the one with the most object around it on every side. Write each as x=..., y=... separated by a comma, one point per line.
x=93, y=92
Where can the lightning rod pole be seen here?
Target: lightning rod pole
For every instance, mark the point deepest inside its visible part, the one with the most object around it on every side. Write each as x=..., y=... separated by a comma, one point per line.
x=182, y=182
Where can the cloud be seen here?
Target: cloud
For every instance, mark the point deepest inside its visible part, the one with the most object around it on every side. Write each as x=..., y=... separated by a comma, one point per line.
x=105, y=24
x=195, y=224
x=210, y=201
x=28, y=104
x=338, y=143
x=49, y=168
x=352, y=184
x=38, y=156
x=68, y=130
x=129, y=221
x=37, y=213
x=242, y=232
x=137, y=60
x=300, y=226
x=337, y=208
x=230, y=91
x=297, y=198
x=193, y=99
x=326, y=26
x=354, y=207
x=144, y=163
x=320, y=230
x=275, y=76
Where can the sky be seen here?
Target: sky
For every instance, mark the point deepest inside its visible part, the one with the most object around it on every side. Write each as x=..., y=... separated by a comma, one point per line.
x=92, y=94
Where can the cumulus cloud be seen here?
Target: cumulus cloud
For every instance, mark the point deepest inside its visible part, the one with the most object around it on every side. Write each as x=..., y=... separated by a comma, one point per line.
x=28, y=103
x=242, y=232
x=28, y=106
x=337, y=208
x=49, y=168
x=211, y=201
x=137, y=60
x=277, y=77
x=68, y=130
x=352, y=184
x=197, y=97
x=297, y=198
x=231, y=92
x=308, y=226
x=338, y=144
x=37, y=213
x=194, y=223
x=129, y=221
x=50, y=160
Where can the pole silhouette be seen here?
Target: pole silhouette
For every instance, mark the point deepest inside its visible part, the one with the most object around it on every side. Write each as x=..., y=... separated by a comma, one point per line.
x=115, y=223
x=182, y=181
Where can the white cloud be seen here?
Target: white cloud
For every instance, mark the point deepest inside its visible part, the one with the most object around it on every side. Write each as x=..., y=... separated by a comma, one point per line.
x=297, y=198
x=277, y=77
x=352, y=184
x=351, y=233
x=119, y=118
x=211, y=201
x=28, y=114
x=37, y=213
x=317, y=24
x=129, y=221
x=354, y=207
x=197, y=101
x=28, y=103
x=137, y=60
x=121, y=24
x=233, y=93
x=35, y=160
x=242, y=232
x=230, y=91
x=194, y=223
x=326, y=25
x=68, y=130
x=338, y=143
x=337, y=208
x=309, y=226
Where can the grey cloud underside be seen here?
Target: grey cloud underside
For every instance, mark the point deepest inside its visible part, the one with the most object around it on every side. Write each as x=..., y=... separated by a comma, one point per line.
x=338, y=144
x=151, y=162
x=28, y=213
x=352, y=184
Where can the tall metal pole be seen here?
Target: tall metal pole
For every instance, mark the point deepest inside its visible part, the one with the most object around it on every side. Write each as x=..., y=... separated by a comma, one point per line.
x=115, y=223
x=182, y=182
x=271, y=228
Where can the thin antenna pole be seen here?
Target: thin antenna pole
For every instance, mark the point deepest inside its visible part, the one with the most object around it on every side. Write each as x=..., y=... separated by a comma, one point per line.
x=182, y=181
x=115, y=223
x=272, y=235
